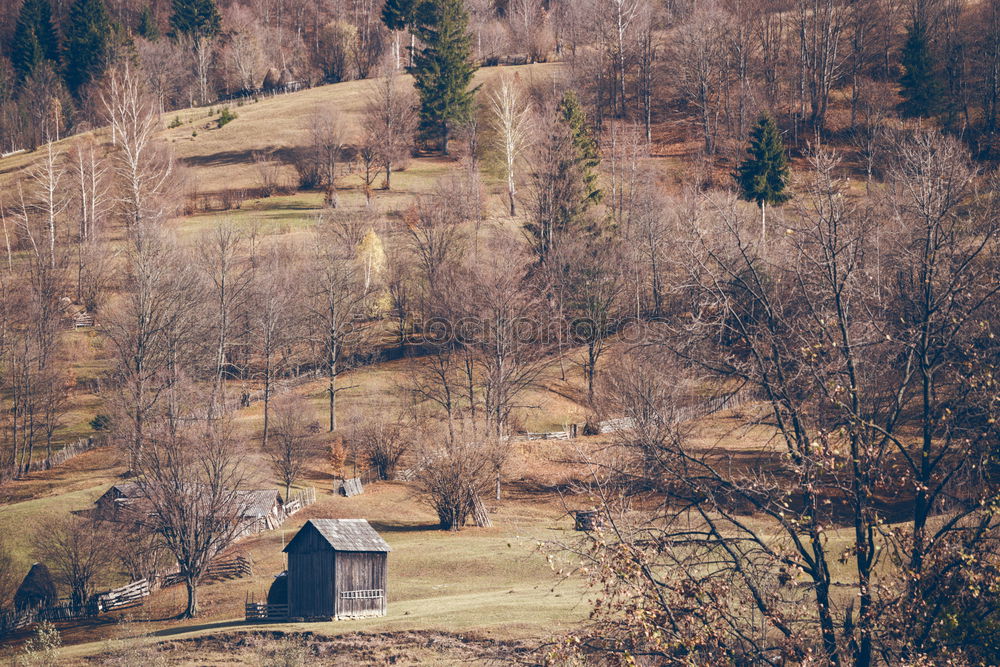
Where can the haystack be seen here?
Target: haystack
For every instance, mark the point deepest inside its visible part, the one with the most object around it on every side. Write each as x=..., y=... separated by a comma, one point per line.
x=37, y=590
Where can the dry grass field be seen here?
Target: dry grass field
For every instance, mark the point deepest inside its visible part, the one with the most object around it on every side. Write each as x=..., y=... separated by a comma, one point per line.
x=475, y=596
x=453, y=597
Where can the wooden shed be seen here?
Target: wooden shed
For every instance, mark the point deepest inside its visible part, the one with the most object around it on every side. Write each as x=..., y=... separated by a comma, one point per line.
x=109, y=506
x=337, y=568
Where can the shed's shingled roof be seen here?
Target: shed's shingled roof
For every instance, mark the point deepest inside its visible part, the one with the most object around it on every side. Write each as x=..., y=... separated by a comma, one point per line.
x=347, y=535
x=258, y=502
x=126, y=489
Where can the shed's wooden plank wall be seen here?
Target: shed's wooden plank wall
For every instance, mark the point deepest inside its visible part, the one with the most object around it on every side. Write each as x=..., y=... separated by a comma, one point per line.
x=361, y=571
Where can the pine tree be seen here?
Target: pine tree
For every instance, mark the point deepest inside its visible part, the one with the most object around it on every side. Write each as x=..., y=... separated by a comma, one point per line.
x=920, y=85
x=443, y=69
x=197, y=19
x=400, y=14
x=34, y=38
x=763, y=176
x=147, y=25
x=587, y=155
x=89, y=35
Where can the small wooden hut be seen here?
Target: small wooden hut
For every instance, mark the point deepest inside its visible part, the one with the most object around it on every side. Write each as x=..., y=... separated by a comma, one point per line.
x=337, y=568
x=109, y=505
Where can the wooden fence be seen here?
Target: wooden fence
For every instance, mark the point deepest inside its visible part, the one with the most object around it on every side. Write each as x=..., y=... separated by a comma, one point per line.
x=236, y=567
x=704, y=408
x=348, y=487
x=58, y=458
x=130, y=595
x=261, y=611
x=125, y=597
x=230, y=567
x=303, y=498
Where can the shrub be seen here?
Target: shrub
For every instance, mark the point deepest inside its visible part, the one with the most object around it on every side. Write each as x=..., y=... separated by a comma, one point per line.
x=41, y=649
x=100, y=423
x=338, y=457
x=225, y=116
x=291, y=651
x=176, y=122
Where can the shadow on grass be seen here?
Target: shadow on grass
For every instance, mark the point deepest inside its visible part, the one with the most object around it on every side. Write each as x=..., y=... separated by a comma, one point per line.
x=180, y=630
x=414, y=527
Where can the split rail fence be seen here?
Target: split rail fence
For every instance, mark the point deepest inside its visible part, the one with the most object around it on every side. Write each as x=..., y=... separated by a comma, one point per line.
x=124, y=597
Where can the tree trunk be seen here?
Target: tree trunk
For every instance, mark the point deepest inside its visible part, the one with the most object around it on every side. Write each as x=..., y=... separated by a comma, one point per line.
x=267, y=404
x=191, y=610
x=332, y=389
x=763, y=222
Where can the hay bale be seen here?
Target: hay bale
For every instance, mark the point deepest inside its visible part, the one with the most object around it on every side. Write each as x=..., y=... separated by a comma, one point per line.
x=272, y=79
x=37, y=590
x=278, y=593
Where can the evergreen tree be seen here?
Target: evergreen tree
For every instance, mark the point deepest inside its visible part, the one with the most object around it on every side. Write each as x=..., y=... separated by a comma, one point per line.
x=763, y=176
x=587, y=155
x=400, y=14
x=443, y=69
x=197, y=19
x=563, y=180
x=34, y=38
x=89, y=35
x=147, y=25
x=920, y=85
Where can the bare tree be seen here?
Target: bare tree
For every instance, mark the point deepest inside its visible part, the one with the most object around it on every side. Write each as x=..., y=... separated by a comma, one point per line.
x=700, y=44
x=617, y=23
x=594, y=289
x=436, y=239
x=847, y=375
x=224, y=263
x=338, y=301
x=453, y=474
x=243, y=52
x=142, y=553
x=91, y=180
x=150, y=333
x=164, y=67
x=190, y=479
x=390, y=122
x=269, y=172
x=379, y=439
x=277, y=324
x=142, y=167
x=290, y=447
x=511, y=124
x=511, y=338
x=822, y=54
x=327, y=143
x=528, y=24
x=51, y=200
x=77, y=552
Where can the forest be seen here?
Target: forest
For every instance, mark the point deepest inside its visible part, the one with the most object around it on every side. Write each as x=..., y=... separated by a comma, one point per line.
x=665, y=330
